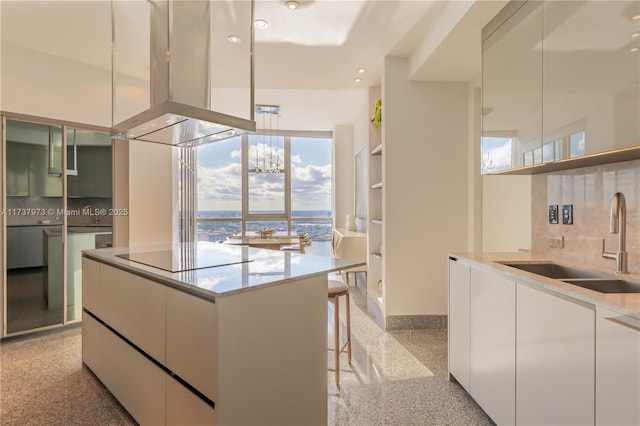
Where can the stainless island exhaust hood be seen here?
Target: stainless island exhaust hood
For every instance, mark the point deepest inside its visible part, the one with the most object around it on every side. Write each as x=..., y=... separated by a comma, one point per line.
x=180, y=111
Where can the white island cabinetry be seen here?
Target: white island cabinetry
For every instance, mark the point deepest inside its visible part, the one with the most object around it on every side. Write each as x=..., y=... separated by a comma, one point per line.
x=173, y=350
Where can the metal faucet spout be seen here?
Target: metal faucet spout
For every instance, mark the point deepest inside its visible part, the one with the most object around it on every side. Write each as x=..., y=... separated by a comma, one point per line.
x=618, y=225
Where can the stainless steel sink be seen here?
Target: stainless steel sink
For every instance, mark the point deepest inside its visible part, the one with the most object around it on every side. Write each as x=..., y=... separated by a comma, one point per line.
x=596, y=281
x=554, y=270
x=607, y=285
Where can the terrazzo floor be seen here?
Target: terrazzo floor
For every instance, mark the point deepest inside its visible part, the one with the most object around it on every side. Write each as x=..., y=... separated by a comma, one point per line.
x=396, y=378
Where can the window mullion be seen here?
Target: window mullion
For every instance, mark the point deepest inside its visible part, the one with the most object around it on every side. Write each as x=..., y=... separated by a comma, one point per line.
x=245, y=182
x=287, y=180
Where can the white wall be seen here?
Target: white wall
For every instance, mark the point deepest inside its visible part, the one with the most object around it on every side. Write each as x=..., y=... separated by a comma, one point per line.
x=425, y=187
x=318, y=110
x=151, y=193
x=506, y=213
x=343, y=174
x=120, y=200
x=38, y=84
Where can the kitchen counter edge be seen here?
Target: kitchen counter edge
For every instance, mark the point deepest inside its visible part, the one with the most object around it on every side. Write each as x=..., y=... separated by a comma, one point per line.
x=624, y=303
x=107, y=256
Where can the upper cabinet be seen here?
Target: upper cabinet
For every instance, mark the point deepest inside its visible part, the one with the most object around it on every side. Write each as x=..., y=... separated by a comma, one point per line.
x=561, y=85
x=512, y=88
x=590, y=75
x=29, y=157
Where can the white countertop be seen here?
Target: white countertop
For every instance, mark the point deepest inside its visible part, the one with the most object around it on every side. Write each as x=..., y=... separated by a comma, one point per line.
x=266, y=268
x=625, y=303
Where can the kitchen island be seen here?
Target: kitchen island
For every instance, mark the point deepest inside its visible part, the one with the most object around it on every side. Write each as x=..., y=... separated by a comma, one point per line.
x=209, y=333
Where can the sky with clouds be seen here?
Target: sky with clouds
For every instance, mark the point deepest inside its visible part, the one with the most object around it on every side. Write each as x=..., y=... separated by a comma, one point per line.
x=220, y=175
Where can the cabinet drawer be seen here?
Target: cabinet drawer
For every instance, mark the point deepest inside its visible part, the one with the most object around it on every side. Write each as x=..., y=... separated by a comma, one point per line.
x=617, y=369
x=185, y=408
x=91, y=285
x=135, y=307
x=134, y=380
x=192, y=341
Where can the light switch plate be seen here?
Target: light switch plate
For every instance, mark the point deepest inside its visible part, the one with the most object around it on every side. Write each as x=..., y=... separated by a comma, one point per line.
x=553, y=213
x=567, y=214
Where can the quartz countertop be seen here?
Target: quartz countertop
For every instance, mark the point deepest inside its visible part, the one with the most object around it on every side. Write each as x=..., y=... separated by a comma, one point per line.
x=264, y=268
x=624, y=303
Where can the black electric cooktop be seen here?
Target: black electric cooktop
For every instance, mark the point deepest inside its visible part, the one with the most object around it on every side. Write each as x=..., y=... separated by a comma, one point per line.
x=188, y=257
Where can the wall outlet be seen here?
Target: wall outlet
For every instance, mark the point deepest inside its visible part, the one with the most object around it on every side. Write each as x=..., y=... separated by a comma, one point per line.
x=567, y=214
x=556, y=241
x=553, y=213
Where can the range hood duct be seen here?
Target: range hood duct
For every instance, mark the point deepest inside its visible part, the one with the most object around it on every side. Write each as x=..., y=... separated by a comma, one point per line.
x=180, y=111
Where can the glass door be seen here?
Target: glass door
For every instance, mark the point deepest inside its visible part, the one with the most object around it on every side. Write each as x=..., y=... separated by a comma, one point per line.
x=34, y=234
x=89, y=205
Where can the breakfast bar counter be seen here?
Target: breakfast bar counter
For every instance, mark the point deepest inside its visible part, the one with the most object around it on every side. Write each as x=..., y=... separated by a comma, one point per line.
x=209, y=333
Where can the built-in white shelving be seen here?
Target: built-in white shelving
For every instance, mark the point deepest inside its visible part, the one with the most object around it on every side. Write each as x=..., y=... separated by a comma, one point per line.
x=375, y=231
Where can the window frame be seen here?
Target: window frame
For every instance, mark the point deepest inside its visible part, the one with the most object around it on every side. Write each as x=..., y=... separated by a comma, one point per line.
x=286, y=216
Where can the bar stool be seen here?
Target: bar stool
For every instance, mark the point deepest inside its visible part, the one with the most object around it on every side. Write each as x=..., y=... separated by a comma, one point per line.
x=337, y=289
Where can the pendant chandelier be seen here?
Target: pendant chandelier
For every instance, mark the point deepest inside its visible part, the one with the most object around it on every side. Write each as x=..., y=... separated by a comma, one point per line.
x=268, y=147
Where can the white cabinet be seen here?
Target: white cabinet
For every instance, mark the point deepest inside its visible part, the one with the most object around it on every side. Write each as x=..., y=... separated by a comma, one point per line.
x=135, y=307
x=27, y=172
x=459, y=296
x=617, y=369
x=24, y=246
x=94, y=173
x=193, y=323
x=493, y=345
x=136, y=382
x=183, y=407
x=13, y=247
x=555, y=360
x=17, y=173
x=183, y=354
x=512, y=100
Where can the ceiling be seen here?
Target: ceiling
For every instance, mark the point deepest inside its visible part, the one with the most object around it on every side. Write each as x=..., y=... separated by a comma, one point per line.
x=319, y=46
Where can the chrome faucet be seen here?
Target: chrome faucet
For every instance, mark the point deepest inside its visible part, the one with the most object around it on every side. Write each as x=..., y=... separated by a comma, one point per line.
x=618, y=225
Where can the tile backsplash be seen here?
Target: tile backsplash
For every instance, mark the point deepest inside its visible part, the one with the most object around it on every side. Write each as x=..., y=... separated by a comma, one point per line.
x=589, y=190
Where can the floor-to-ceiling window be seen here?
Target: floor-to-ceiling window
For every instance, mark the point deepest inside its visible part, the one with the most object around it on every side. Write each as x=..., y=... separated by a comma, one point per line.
x=274, y=181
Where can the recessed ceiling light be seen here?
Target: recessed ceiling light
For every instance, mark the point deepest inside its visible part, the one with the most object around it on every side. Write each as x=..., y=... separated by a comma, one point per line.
x=292, y=5
x=361, y=70
x=634, y=49
x=234, y=39
x=636, y=34
x=357, y=79
x=260, y=24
